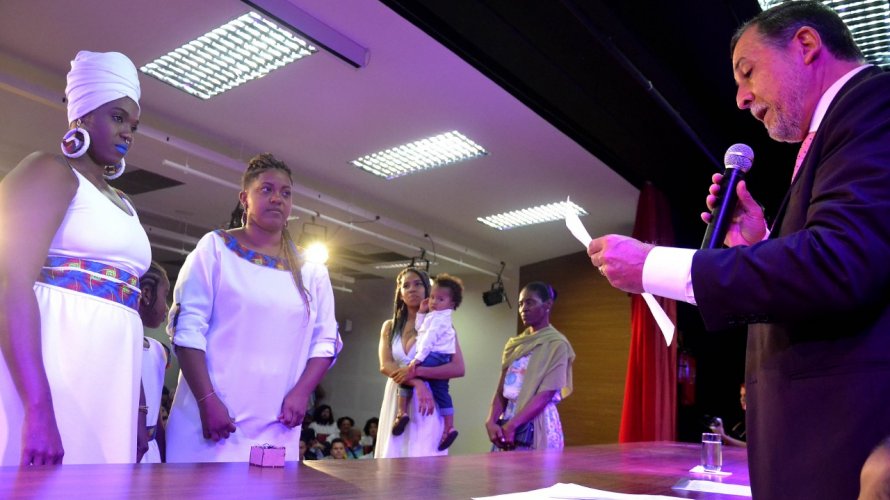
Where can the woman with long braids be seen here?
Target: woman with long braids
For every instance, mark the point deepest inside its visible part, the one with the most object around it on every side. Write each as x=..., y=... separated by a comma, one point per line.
x=71, y=253
x=254, y=330
x=398, y=337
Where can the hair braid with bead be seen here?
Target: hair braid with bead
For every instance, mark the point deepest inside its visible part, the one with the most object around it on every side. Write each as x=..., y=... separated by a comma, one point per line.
x=151, y=279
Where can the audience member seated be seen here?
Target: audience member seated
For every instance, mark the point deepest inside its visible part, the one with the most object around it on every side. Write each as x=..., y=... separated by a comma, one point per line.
x=314, y=449
x=370, y=438
x=338, y=450
x=736, y=436
x=323, y=423
x=344, y=425
x=354, y=443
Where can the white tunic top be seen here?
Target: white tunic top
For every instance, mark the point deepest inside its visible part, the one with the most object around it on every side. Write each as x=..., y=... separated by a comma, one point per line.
x=256, y=331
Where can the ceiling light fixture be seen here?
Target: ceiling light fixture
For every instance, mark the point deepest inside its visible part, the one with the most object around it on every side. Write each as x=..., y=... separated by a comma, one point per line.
x=402, y=264
x=436, y=151
x=533, y=215
x=420, y=262
x=310, y=28
x=241, y=50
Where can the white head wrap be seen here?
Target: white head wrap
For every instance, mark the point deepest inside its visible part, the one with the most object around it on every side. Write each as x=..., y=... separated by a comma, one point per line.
x=97, y=78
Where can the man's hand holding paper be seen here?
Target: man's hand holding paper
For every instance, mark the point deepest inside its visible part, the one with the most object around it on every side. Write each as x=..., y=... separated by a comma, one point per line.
x=620, y=259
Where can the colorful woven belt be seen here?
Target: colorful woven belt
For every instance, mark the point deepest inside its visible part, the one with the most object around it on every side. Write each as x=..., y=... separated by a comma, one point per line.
x=92, y=278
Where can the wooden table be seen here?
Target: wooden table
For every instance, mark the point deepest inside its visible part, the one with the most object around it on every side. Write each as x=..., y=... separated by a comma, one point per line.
x=650, y=468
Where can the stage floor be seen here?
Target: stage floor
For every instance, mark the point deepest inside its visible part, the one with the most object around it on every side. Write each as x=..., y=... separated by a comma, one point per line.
x=641, y=468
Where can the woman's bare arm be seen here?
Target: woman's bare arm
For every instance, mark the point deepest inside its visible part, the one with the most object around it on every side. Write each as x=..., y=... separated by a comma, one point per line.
x=498, y=403
x=388, y=365
x=28, y=231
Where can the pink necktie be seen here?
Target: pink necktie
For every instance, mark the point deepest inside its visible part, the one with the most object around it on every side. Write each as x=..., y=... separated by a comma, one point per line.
x=804, y=147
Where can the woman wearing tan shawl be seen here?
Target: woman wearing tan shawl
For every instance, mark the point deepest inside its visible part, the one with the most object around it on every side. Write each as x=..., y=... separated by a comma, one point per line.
x=536, y=375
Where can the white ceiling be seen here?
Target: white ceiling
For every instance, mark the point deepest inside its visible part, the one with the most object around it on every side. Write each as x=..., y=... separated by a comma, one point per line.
x=316, y=114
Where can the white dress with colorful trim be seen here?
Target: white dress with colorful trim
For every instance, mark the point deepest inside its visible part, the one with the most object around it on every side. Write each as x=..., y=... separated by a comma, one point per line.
x=243, y=310
x=91, y=340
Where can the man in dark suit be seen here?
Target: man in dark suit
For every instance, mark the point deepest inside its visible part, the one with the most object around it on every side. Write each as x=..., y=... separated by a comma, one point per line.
x=815, y=289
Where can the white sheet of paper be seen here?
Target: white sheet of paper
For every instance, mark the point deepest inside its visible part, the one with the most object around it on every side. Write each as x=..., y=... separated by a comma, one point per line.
x=573, y=223
x=566, y=491
x=713, y=487
x=698, y=469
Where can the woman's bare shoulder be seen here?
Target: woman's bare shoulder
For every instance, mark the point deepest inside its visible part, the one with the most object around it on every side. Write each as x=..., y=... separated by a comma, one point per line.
x=49, y=173
x=386, y=328
x=49, y=167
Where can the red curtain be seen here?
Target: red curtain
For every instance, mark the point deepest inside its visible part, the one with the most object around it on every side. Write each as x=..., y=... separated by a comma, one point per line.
x=649, y=412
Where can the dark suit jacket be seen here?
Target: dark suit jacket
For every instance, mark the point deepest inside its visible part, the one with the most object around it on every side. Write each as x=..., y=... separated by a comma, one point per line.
x=816, y=296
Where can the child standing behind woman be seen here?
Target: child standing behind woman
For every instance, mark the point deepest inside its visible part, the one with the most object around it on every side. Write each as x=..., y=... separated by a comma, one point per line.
x=435, y=347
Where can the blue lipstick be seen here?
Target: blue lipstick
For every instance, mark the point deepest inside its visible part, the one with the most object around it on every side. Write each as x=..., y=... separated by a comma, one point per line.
x=121, y=148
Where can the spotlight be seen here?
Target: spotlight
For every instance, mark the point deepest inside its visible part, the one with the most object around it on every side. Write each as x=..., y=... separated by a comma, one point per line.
x=496, y=294
x=313, y=239
x=317, y=252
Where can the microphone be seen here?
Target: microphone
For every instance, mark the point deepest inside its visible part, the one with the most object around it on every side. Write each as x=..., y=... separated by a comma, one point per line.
x=737, y=160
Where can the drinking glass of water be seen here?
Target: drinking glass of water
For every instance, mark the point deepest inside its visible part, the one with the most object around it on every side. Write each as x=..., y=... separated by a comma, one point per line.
x=711, y=452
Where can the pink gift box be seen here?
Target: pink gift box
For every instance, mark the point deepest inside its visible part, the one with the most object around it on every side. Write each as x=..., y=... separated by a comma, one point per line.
x=267, y=456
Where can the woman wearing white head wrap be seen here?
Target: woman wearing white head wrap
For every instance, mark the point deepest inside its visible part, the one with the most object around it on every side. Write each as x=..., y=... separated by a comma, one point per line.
x=71, y=251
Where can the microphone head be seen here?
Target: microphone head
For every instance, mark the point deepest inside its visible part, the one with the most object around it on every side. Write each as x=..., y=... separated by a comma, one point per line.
x=739, y=156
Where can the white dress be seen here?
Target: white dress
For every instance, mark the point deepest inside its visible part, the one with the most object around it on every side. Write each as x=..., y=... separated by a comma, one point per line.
x=249, y=318
x=422, y=434
x=92, y=346
x=154, y=364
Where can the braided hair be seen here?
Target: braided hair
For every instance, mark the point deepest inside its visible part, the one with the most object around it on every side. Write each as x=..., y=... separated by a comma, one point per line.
x=151, y=279
x=256, y=166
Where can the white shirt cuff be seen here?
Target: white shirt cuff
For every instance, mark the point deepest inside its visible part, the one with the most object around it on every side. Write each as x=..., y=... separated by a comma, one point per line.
x=667, y=272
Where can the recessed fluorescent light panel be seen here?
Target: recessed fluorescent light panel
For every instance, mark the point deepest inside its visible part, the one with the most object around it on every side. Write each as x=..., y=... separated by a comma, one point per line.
x=533, y=215
x=403, y=264
x=437, y=151
x=241, y=50
x=868, y=21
